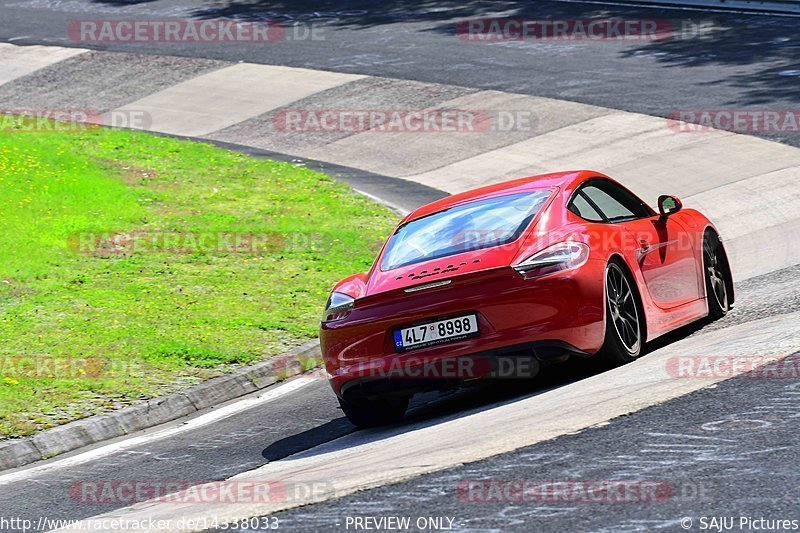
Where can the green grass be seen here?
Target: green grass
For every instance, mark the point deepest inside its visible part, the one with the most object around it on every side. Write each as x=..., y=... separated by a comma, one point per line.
x=129, y=323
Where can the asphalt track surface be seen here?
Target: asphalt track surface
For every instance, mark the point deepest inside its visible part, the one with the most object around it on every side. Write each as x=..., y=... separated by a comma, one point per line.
x=720, y=452
x=713, y=61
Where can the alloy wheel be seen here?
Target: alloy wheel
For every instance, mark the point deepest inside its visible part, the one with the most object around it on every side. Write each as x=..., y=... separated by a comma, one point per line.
x=715, y=274
x=622, y=308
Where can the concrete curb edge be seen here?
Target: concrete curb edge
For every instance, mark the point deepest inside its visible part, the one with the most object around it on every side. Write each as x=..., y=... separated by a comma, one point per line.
x=91, y=430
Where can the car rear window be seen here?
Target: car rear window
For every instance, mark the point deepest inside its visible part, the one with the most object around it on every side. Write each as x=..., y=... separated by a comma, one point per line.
x=471, y=226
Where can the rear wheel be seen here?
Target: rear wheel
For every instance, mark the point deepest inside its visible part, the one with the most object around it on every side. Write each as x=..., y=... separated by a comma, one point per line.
x=371, y=413
x=717, y=276
x=624, y=321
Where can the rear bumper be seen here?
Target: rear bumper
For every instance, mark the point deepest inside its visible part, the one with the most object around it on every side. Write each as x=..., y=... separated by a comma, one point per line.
x=417, y=375
x=517, y=318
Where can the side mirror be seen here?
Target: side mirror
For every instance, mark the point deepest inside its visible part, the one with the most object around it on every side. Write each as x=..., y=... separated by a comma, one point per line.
x=668, y=205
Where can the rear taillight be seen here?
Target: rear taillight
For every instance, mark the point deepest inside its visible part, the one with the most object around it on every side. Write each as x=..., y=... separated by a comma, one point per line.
x=557, y=258
x=338, y=307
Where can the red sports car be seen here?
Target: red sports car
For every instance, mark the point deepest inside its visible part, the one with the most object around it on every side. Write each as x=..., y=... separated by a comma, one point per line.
x=497, y=281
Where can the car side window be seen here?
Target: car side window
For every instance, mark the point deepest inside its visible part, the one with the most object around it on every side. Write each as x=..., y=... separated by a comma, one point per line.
x=584, y=209
x=613, y=202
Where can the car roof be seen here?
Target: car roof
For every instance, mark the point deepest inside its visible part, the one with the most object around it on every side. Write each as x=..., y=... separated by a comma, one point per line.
x=540, y=181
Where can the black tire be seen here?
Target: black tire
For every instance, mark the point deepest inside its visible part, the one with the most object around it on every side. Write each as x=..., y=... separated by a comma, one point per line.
x=371, y=413
x=625, y=329
x=717, y=275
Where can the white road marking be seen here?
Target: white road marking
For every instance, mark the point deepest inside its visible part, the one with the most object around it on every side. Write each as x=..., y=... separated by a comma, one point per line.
x=270, y=394
x=367, y=459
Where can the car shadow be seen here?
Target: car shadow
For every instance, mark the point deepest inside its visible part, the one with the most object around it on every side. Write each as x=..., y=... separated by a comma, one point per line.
x=434, y=408
x=338, y=427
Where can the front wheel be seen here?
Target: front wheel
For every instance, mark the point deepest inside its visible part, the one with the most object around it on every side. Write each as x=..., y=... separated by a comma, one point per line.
x=371, y=413
x=624, y=322
x=717, y=276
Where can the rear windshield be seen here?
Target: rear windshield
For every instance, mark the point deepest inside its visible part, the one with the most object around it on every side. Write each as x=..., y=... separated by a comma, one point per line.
x=471, y=226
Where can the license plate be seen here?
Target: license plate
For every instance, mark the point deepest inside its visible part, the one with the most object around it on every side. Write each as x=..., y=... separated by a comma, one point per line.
x=436, y=332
